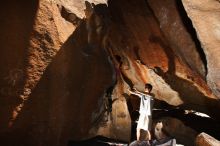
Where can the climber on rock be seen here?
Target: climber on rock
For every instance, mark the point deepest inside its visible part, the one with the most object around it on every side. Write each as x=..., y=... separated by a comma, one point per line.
x=145, y=110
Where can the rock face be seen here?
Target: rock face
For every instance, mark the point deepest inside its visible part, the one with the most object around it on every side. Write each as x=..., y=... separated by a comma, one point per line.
x=176, y=27
x=16, y=26
x=205, y=18
x=68, y=69
x=31, y=107
x=40, y=35
x=147, y=57
x=77, y=7
x=204, y=139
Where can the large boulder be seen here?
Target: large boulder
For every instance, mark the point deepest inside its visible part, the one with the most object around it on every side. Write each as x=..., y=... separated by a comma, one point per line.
x=147, y=57
x=205, y=18
x=204, y=139
x=43, y=92
x=179, y=33
x=31, y=38
x=17, y=20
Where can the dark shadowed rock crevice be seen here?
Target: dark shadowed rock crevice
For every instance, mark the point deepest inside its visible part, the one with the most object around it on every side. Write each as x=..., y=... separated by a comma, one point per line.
x=69, y=16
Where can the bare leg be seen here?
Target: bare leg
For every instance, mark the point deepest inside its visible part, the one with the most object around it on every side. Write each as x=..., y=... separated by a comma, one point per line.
x=138, y=134
x=148, y=135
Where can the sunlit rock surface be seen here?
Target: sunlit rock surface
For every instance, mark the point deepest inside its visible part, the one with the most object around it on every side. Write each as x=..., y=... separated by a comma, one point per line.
x=204, y=139
x=147, y=57
x=176, y=27
x=205, y=18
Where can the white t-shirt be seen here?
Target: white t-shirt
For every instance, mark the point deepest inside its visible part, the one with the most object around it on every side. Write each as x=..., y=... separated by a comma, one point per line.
x=145, y=104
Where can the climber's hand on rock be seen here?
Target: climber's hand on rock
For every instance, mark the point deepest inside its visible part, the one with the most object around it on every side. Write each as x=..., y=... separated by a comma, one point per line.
x=134, y=89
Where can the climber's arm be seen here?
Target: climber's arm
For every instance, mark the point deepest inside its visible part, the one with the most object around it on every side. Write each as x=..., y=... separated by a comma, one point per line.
x=135, y=92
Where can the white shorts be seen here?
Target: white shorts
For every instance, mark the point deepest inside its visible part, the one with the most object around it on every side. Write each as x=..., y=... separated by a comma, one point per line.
x=144, y=122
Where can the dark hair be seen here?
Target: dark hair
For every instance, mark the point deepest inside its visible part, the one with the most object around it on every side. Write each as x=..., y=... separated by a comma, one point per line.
x=148, y=86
